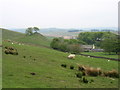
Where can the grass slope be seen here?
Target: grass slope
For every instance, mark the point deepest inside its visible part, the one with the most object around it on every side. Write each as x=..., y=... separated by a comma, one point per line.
x=49, y=73
x=36, y=39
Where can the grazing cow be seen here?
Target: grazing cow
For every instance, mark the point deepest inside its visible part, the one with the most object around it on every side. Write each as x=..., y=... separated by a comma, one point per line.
x=71, y=56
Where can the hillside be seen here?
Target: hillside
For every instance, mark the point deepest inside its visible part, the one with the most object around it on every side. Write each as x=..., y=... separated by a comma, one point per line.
x=36, y=39
x=46, y=64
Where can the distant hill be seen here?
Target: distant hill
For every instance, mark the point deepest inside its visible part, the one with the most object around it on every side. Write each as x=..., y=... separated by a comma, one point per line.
x=45, y=30
x=36, y=39
x=59, y=32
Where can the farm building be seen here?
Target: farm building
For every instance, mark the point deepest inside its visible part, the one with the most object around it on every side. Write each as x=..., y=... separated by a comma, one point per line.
x=91, y=48
x=97, y=50
x=88, y=47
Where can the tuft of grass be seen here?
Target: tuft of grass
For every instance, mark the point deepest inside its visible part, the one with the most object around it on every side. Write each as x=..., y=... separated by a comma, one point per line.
x=85, y=80
x=24, y=56
x=71, y=67
x=79, y=74
x=64, y=65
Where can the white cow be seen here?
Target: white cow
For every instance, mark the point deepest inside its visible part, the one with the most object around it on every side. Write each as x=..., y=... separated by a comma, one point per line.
x=71, y=56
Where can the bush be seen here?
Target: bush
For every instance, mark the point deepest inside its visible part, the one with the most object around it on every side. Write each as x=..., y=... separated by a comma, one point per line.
x=71, y=67
x=85, y=80
x=91, y=80
x=112, y=73
x=10, y=50
x=6, y=51
x=79, y=75
x=60, y=44
x=64, y=65
x=93, y=71
x=89, y=70
x=74, y=48
x=81, y=68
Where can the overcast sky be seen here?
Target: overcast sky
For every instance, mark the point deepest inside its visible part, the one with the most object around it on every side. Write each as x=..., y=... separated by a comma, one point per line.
x=58, y=13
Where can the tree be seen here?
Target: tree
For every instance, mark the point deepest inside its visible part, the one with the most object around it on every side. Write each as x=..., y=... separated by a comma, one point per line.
x=29, y=31
x=94, y=37
x=74, y=48
x=111, y=44
x=71, y=46
x=36, y=29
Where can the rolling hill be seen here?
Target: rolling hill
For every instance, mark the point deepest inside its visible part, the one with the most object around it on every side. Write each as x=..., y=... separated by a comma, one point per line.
x=36, y=39
x=40, y=67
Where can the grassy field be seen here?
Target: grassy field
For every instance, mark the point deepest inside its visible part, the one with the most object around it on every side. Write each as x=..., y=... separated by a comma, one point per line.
x=49, y=73
x=102, y=54
x=20, y=37
x=46, y=64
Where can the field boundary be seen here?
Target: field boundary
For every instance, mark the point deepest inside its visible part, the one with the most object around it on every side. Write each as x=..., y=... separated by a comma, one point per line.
x=100, y=57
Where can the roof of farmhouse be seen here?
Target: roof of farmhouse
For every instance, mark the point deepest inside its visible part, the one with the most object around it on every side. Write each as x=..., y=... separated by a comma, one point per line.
x=87, y=46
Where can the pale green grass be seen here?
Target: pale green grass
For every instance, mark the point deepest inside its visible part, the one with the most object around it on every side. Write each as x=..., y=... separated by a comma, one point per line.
x=20, y=37
x=49, y=73
x=102, y=54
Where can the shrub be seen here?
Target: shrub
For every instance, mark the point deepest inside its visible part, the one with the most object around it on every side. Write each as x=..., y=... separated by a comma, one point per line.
x=10, y=50
x=81, y=68
x=93, y=71
x=89, y=70
x=85, y=80
x=32, y=73
x=71, y=67
x=34, y=59
x=60, y=44
x=6, y=47
x=64, y=65
x=13, y=52
x=24, y=56
x=6, y=51
x=91, y=80
x=112, y=73
x=74, y=48
x=79, y=75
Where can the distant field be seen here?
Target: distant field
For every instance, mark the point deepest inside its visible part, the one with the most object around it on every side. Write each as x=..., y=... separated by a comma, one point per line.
x=102, y=54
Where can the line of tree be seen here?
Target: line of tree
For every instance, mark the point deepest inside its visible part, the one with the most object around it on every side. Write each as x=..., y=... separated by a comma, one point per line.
x=95, y=38
x=111, y=45
x=104, y=40
x=64, y=45
x=31, y=30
